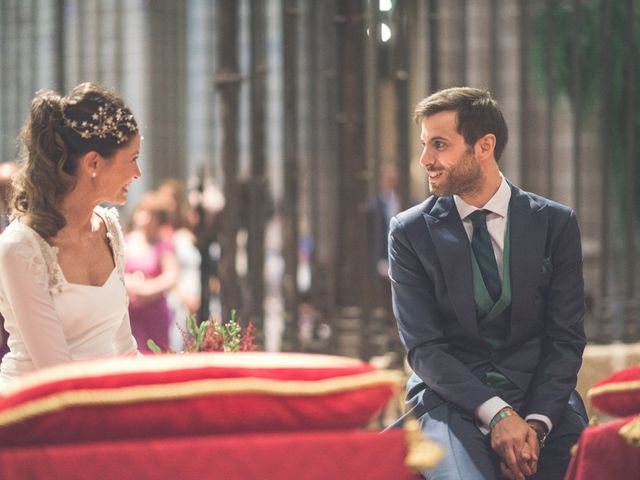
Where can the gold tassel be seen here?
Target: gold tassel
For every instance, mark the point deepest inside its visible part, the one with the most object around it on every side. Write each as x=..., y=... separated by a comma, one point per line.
x=574, y=449
x=631, y=432
x=422, y=453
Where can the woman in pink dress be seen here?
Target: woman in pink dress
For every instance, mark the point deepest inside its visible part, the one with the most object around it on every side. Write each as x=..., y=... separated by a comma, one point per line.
x=151, y=271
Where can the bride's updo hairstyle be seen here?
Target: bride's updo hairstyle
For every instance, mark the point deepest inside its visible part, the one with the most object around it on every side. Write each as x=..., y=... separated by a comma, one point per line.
x=58, y=132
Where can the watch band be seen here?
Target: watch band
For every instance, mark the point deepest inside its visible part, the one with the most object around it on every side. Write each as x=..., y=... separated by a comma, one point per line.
x=541, y=435
x=542, y=438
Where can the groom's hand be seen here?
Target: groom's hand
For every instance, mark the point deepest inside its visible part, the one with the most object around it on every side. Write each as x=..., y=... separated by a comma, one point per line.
x=528, y=467
x=517, y=445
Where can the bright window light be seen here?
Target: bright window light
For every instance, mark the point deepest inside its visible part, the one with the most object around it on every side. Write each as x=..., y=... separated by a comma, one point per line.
x=385, y=5
x=385, y=32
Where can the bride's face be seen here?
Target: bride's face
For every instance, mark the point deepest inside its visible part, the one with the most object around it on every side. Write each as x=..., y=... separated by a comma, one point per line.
x=120, y=170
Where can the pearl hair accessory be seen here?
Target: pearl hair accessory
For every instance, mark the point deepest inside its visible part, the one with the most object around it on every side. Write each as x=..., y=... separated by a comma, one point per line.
x=107, y=120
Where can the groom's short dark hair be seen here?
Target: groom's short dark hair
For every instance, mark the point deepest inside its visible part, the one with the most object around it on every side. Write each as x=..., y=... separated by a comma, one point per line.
x=477, y=113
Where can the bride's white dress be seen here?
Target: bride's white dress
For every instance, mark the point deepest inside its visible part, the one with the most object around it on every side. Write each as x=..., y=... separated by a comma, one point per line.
x=50, y=320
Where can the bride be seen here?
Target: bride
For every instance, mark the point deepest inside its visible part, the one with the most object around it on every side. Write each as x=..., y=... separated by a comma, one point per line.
x=62, y=290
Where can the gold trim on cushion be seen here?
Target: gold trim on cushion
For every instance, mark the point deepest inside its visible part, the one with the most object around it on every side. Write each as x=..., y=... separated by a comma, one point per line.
x=192, y=389
x=614, y=387
x=631, y=432
x=171, y=362
x=422, y=453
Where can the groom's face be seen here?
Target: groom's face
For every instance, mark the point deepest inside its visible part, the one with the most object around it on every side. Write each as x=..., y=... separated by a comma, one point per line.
x=452, y=168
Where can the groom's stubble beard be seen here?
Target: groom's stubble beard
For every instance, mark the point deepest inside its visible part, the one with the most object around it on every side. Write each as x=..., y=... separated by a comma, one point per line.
x=463, y=178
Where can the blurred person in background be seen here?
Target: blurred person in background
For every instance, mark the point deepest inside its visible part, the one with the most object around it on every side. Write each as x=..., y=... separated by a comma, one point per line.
x=62, y=290
x=7, y=170
x=381, y=209
x=208, y=200
x=151, y=272
x=184, y=298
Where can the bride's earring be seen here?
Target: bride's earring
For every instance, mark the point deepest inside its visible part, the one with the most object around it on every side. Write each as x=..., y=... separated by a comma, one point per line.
x=93, y=174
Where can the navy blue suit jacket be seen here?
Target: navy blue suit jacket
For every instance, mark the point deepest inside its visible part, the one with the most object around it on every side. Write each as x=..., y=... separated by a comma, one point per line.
x=430, y=271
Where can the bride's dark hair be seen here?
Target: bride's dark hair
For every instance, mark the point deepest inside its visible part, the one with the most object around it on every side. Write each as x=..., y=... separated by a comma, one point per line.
x=58, y=132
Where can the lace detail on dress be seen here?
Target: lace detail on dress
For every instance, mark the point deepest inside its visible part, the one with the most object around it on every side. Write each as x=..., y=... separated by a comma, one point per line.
x=31, y=250
x=115, y=236
x=50, y=257
x=42, y=257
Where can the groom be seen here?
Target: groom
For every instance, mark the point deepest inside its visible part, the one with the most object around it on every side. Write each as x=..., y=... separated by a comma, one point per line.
x=489, y=298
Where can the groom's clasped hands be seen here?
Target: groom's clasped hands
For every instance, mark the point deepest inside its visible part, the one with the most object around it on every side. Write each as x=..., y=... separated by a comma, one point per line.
x=515, y=441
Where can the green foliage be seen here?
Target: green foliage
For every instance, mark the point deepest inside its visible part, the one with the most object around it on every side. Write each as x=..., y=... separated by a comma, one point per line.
x=153, y=346
x=230, y=333
x=606, y=52
x=198, y=331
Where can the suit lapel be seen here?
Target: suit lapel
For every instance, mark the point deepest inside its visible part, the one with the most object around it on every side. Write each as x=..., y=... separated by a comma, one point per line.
x=452, y=247
x=528, y=232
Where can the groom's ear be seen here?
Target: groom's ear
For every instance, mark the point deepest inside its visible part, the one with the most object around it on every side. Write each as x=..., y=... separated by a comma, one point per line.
x=485, y=146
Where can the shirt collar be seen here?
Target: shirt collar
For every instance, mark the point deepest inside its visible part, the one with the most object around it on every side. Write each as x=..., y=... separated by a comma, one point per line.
x=498, y=204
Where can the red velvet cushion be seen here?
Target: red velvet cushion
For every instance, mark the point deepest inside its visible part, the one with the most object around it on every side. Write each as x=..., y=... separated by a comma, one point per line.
x=618, y=394
x=175, y=395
